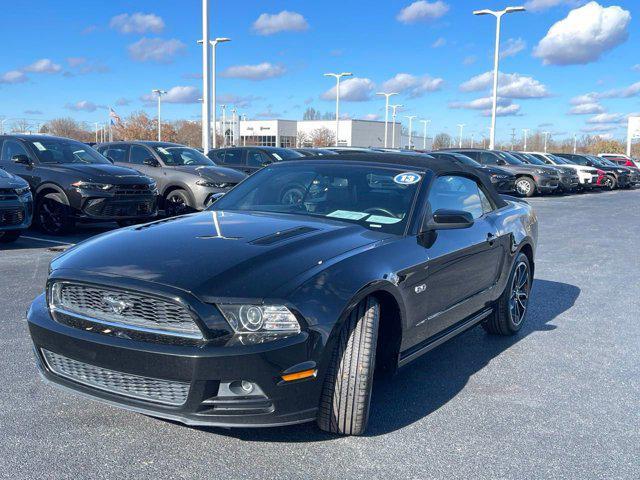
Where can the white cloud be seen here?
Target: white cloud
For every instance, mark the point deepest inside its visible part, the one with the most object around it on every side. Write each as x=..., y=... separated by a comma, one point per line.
x=483, y=103
x=13, y=76
x=261, y=71
x=540, y=5
x=371, y=116
x=510, y=85
x=584, y=35
x=82, y=106
x=422, y=10
x=606, y=118
x=137, y=23
x=627, y=92
x=440, y=42
x=285, y=21
x=178, y=94
x=43, y=65
x=76, y=61
x=587, y=109
x=352, y=90
x=122, y=102
x=412, y=85
x=470, y=60
x=508, y=111
x=598, y=128
x=512, y=47
x=156, y=50
x=237, y=100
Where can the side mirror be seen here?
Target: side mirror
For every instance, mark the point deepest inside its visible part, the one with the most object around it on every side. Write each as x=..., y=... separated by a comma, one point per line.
x=266, y=163
x=501, y=162
x=152, y=162
x=450, y=220
x=110, y=159
x=21, y=158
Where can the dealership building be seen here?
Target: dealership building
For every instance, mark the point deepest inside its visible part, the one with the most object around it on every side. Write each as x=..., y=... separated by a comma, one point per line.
x=298, y=133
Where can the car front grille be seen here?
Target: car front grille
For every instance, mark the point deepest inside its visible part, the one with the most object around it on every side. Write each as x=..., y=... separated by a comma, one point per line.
x=123, y=309
x=118, y=207
x=8, y=194
x=9, y=217
x=144, y=388
x=127, y=190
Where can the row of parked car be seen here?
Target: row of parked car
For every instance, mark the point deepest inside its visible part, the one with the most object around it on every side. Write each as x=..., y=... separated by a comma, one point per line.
x=58, y=182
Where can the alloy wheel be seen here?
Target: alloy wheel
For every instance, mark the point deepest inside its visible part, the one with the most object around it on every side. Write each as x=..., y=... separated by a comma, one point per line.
x=176, y=205
x=523, y=187
x=51, y=215
x=520, y=287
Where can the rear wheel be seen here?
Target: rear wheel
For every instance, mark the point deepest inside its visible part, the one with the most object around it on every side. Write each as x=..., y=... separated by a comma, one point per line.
x=525, y=186
x=10, y=236
x=609, y=182
x=53, y=215
x=509, y=312
x=177, y=203
x=346, y=393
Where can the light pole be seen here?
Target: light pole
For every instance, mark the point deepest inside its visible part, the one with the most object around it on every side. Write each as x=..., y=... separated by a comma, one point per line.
x=223, y=125
x=394, y=109
x=525, y=132
x=546, y=137
x=460, y=126
x=498, y=14
x=206, y=85
x=214, y=43
x=386, y=114
x=424, y=133
x=410, y=117
x=575, y=143
x=95, y=123
x=159, y=93
x=338, y=76
x=473, y=143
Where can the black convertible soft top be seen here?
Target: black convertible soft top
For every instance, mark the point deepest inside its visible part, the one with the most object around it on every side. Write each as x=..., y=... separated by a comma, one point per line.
x=422, y=162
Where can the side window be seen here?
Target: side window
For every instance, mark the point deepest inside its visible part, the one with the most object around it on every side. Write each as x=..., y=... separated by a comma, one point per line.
x=217, y=156
x=473, y=155
x=452, y=192
x=139, y=154
x=233, y=156
x=117, y=153
x=488, y=158
x=11, y=148
x=487, y=206
x=255, y=158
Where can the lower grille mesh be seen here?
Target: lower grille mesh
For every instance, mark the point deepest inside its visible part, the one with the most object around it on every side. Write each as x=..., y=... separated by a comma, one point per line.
x=144, y=388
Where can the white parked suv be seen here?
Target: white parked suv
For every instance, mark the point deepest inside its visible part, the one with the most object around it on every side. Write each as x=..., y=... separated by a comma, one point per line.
x=588, y=175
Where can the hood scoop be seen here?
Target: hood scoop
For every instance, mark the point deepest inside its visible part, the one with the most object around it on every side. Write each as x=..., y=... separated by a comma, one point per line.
x=283, y=235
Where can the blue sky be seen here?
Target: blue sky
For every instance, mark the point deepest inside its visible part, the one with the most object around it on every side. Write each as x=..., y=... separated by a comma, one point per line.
x=76, y=58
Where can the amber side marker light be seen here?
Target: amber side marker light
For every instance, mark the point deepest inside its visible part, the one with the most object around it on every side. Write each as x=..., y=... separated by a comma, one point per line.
x=290, y=377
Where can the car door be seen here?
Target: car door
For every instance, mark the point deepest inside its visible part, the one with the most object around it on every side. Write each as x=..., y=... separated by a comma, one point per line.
x=30, y=173
x=235, y=158
x=257, y=159
x=138, y=155
x=118, y=153
x=464, y=264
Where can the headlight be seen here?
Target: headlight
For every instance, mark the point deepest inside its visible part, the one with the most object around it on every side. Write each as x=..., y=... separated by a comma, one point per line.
x=498, y=177
x=92, y=186
x=541, y=172
x=619, y=170
x=260, y=318
x=210, y=184
x=22, y=191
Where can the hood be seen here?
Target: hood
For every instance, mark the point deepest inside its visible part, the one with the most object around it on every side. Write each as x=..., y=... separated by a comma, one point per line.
x=526, y=168
x=217, y=253
x=497, y=170
x=214, y=173
x=100, y=172
x=8, y=180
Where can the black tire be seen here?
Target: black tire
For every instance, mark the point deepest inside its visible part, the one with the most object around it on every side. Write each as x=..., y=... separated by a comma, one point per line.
x=10, y=236
x=610, y=182
x=510, y=310
x=525, y=186
x=53, y=215
x=177, y=202
x=346, y=393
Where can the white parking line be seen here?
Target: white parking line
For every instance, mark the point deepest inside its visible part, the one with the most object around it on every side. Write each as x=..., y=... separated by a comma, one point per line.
x=47, y=240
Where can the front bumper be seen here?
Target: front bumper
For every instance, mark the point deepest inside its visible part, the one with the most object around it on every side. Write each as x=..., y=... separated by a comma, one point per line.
x=17, y=213
x=205, y=368
x=117, y=207
x=547, y=183
x=507, y=185
x=203, y=196
x=569, y=182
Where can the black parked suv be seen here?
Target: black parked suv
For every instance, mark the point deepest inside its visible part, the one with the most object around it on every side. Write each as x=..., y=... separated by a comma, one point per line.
x=16, y=206
x=72, y=182
x=503, y=180
x=530, y=179
x=270, y=309
x=616, y=177
x=251, y=159
x=569, y=180
x=187, y=180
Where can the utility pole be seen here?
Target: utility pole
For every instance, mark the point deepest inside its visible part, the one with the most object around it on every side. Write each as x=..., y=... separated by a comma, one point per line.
x=410, y=117
x=394, y=109
x=386, y=114
x=424, y=133
x=498, y=14
x=525, y=132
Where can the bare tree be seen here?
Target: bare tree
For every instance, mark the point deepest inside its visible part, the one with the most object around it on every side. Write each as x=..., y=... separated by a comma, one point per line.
x=441, y=140
x=303, y=140
x=322, y=137
x=69, y=128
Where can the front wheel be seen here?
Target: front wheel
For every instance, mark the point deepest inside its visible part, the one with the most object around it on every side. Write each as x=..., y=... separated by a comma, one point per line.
x=609, y=182
x=53, y=215
x=10, y=236
x=177, y=203
x=509, y=312
x=346, y=393
x=525, y=186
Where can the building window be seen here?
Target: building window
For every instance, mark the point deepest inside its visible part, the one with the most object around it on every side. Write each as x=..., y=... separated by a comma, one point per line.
x=259, y=140
x=288, y=142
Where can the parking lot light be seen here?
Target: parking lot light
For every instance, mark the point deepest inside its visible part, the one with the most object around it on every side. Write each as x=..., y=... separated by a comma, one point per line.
x=424, y=133
x=525, y=133
x=410, y=117
x=461, y=127
x=394, y=109
x=159, y=94
x=498, y=14
x=206, y=85
x=212, y=109
x=386, y=114
x=338, y=76
x=546, y=138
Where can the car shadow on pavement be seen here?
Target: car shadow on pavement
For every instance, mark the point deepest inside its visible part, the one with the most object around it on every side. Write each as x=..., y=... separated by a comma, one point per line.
x=427, y=384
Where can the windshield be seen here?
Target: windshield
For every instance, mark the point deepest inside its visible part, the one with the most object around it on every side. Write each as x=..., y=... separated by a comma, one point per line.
x=178, y=156
x=58, y=150
x=598, y=161
x=284, y=153
x=606, y=161
x=376, y=198
x=560, y=160
x=510, y=159
x=531, y=159
x=466, y=160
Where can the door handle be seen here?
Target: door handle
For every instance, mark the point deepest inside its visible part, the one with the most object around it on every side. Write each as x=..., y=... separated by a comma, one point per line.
x=491, y=239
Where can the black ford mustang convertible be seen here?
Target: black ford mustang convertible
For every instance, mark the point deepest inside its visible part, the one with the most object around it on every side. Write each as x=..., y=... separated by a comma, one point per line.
x=277, y=305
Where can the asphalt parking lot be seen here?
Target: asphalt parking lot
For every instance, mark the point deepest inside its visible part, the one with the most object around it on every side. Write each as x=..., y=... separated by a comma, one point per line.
x=560, y=400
